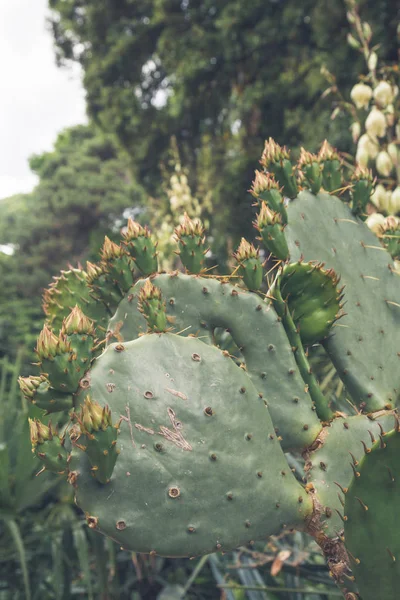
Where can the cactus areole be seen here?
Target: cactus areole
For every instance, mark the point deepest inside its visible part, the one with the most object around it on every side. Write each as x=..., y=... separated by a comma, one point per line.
x=176, y=448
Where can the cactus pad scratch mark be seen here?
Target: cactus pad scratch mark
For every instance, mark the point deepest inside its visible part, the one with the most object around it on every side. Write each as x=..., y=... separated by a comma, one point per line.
x=145, y=429
x=176, y=436
x=128, y=420
x=176, y=393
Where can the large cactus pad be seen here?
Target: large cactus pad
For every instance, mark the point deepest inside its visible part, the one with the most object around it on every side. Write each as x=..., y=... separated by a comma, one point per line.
x=200, y=467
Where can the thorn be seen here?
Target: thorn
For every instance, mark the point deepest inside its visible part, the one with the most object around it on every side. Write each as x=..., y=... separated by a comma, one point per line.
x=40, y=472
x=344, y=490
x=365, y=507
x=390, y=474
x=343, y=517
x=371, y=435
x=366, y=449
x=340, y=499
x=355, y=461
x=382, y=430
x=392, y=556
x=356, y=473
x=382, y=444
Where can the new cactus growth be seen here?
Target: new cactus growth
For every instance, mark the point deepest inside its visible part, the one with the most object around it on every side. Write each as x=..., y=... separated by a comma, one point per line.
x=191, y=241
x=48, y=446
x=178, y=450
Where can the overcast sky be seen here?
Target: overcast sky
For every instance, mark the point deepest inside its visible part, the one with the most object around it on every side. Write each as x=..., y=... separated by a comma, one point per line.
x=37, y=99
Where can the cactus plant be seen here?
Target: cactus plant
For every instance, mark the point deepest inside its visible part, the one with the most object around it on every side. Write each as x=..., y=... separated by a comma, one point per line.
x=175, y=449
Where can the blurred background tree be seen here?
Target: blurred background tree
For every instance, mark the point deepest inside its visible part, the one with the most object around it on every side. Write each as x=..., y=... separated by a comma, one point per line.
x=224, y=73
x=84, y=187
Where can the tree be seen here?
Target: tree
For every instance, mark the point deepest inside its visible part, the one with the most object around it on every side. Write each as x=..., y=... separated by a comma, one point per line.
x=226, y=74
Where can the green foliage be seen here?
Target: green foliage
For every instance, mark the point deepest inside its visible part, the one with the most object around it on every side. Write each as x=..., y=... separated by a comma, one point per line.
x=220, y=76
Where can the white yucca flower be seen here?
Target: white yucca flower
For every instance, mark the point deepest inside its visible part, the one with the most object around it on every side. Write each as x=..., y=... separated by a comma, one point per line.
x=383, y=93
x=384, y=163
x=375, y=123
x=375, y=222
x=381, y=197
x=369, y=144
x=395, y=200
x=361, y=94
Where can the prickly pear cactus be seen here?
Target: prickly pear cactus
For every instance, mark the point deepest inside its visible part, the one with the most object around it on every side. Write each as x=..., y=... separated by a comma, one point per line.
x=176, y=447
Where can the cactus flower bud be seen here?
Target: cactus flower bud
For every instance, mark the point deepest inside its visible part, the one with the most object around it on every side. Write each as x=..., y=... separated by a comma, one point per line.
x=310, y=167
x=266, y=189
x=332, y=168
x=93, y=416
x=263, y=182
x=152, y=307
x=77, y=322
x=250, y=267
x=49, y=345
x=190, y=237
x=97, y=436
x=29, y=385
x=275, y=159
x=141, y=247
x=269, y=224
x=93, y=271
x=39, y=432
x=362, y=182
x=383, y=94
x=111, y=250
x=375, y=123
x=361, y=94
x=384, y=163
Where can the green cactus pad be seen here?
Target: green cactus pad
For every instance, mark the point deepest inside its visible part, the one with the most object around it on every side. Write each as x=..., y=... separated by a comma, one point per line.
x=141, y=247
x=196, y=305
x=312, y=299
x=68, y=290
x=200, y=468
x=39, y=392
x=340, y=445
x=372, y=520
x=191, y=242
x=364, y=350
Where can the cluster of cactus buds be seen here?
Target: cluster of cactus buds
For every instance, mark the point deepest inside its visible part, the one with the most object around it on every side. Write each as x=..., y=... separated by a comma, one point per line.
x=97, y=438
x=190, y=237
x=162, y=418
x=48, y=446
x=141, y=247
x=152, y=306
